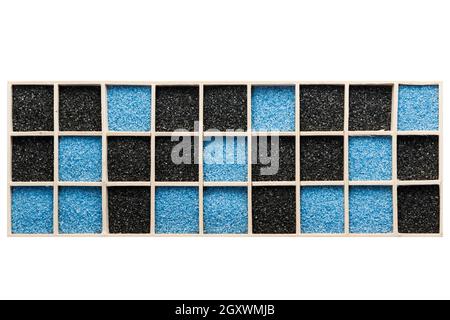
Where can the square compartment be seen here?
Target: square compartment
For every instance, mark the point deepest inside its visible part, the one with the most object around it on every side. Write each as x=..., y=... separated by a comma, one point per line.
x=225, y=108
x=418, y=209
x=32, y=210
x=184, y=167
x=418, y=107
x=129, y=210
x=225, y=159
x=80, y=108
x=322, y=209
x=80, y=159
x=177, y=108
x=129, y=108
x=371, y=209
x=322, y=158
x=418, y=157
x=370, y=107
x=129, y=158
x=80, y=210
x=32, y=108
x=177, y=210
x=225, y=210
x=274, y=210
x=32, y=159
x=322, y=107
x=275, y=158
x=370, y=158
x=273, y=108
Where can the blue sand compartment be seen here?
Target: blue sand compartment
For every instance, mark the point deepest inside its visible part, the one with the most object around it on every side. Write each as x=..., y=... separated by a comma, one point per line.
x=32, y=210
x=129, y=108
x=177, y=210
x=225, y=210
x=418, y=107
x=370, y=158
x=80, y=210
x=225, y=159
x=80, y=159
x=322, y=209
x=371, y=209
x=273, y=108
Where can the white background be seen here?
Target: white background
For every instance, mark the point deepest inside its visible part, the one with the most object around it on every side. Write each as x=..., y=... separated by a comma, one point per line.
x=231, y=40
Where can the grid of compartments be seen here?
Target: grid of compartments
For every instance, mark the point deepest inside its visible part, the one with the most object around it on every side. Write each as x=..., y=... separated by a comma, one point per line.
x=353, y=159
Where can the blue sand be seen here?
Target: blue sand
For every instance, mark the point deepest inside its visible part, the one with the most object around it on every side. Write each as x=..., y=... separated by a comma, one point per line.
x=129, y=108
x=418, y=107
x=225, y=210
x=370, y=158
x=273, y=108
x=80, y=159
x=371, y=210
x=322, y=209
x=32, y=210
x=177, y=210
x=225, y=159
x=80, y=210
